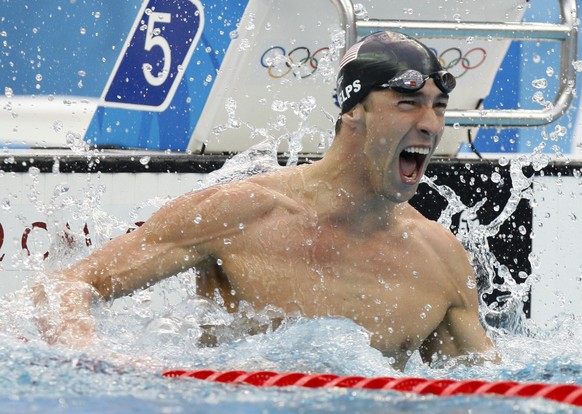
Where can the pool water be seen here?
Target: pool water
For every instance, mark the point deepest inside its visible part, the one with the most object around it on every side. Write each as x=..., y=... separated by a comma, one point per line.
x=159, y=329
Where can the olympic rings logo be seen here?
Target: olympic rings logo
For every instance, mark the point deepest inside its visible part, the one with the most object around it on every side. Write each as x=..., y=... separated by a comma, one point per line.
x=453, y=58
x=299, y=61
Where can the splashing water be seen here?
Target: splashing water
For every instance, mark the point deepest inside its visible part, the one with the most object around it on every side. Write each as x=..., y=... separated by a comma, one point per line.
x=507, y=314
x=292, y=122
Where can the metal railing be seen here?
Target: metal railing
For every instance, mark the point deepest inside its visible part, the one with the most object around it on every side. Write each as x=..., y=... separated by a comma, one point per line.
x=566, y=32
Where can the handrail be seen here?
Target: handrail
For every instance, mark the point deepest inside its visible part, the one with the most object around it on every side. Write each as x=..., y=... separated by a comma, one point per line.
x=565, y=32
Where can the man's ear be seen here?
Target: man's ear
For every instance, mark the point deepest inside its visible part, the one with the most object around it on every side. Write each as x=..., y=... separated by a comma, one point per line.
x=354, y=116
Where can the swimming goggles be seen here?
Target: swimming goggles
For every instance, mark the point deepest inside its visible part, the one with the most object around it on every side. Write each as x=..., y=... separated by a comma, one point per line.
x=413, y=80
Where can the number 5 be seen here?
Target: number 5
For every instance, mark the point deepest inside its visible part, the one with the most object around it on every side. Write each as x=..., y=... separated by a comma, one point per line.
x=153, y=40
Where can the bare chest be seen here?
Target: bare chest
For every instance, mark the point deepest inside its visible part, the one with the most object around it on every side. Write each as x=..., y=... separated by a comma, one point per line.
x=386, y=284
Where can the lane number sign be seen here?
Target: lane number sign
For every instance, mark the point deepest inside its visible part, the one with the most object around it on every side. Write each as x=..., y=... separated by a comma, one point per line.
x=155, y=55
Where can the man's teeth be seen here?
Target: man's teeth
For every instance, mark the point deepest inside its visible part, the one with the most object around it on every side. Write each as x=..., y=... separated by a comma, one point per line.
x=417, y=150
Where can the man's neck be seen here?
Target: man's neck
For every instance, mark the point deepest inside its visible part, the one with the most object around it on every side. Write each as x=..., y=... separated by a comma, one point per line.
x=340, y=190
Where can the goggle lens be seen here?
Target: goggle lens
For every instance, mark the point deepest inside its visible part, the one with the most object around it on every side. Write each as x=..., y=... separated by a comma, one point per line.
x=413, y=80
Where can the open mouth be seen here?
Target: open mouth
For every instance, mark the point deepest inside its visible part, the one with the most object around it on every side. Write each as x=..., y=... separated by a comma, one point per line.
x=411, y=163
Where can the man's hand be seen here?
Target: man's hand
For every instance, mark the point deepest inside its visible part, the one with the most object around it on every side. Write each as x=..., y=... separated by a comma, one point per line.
x=63, y=312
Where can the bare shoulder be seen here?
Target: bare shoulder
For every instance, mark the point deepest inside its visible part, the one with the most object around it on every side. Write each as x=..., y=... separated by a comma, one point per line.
x=215, y=208
x=439, y=237
x=452, y=256
x=244, y=198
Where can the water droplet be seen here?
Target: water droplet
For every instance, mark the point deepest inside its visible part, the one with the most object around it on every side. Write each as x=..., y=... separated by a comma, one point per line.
x=360, y=11
x=219, y=262
x=241, y=226
x=227, y=242
x=197, y=219
x=423, y=315
x=279, y=106
x=234, y=34
x=405, y=235
x=5, y=204
x=57, y=126
x=538, y=97
x=145, y=160
x=244, y=45
x=550, y=71
x=8, y=92
x=251, y=23
x=540, y=83
x=38, y=77
x=536, y=58
x=577, y=65
x=428, y=307
x=309, y=242
x=471, y=284
x=534, y=260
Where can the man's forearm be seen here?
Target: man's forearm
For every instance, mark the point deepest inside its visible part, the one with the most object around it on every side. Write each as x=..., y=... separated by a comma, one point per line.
x=63, y=311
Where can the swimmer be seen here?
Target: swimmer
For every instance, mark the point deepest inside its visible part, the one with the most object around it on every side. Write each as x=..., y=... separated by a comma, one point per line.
x=336, y=237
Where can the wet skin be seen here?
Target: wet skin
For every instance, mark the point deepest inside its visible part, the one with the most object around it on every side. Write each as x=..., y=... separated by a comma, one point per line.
x=333, y=238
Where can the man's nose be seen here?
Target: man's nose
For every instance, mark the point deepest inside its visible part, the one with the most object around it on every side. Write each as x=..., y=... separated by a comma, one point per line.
x=430, y=122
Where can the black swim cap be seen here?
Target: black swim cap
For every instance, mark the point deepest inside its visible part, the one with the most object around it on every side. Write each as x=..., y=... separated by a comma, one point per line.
x=375, y=60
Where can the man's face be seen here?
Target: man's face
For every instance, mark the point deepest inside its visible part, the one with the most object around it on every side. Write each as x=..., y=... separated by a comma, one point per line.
x=402, y=131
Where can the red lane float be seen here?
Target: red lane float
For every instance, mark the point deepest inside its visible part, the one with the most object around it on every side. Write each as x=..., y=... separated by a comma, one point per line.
x=565, y=393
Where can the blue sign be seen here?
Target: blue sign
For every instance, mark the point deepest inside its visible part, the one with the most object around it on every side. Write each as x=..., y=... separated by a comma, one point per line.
x=153, y=61
x=125, y=123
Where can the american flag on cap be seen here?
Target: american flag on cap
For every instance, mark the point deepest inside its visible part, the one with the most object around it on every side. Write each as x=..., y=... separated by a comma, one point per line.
x=350, y=55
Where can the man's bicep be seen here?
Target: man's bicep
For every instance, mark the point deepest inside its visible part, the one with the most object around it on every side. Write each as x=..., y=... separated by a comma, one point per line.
x=460, y=333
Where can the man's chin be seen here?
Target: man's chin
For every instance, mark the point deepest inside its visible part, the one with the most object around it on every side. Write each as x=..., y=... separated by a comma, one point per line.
x=402, y=196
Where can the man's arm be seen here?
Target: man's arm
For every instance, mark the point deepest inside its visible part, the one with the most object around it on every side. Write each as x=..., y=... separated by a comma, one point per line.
x=460, y=333
x=121, y=266
x=180, y=235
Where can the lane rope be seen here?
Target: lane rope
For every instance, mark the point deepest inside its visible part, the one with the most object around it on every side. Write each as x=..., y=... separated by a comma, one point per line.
x=564, y=393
